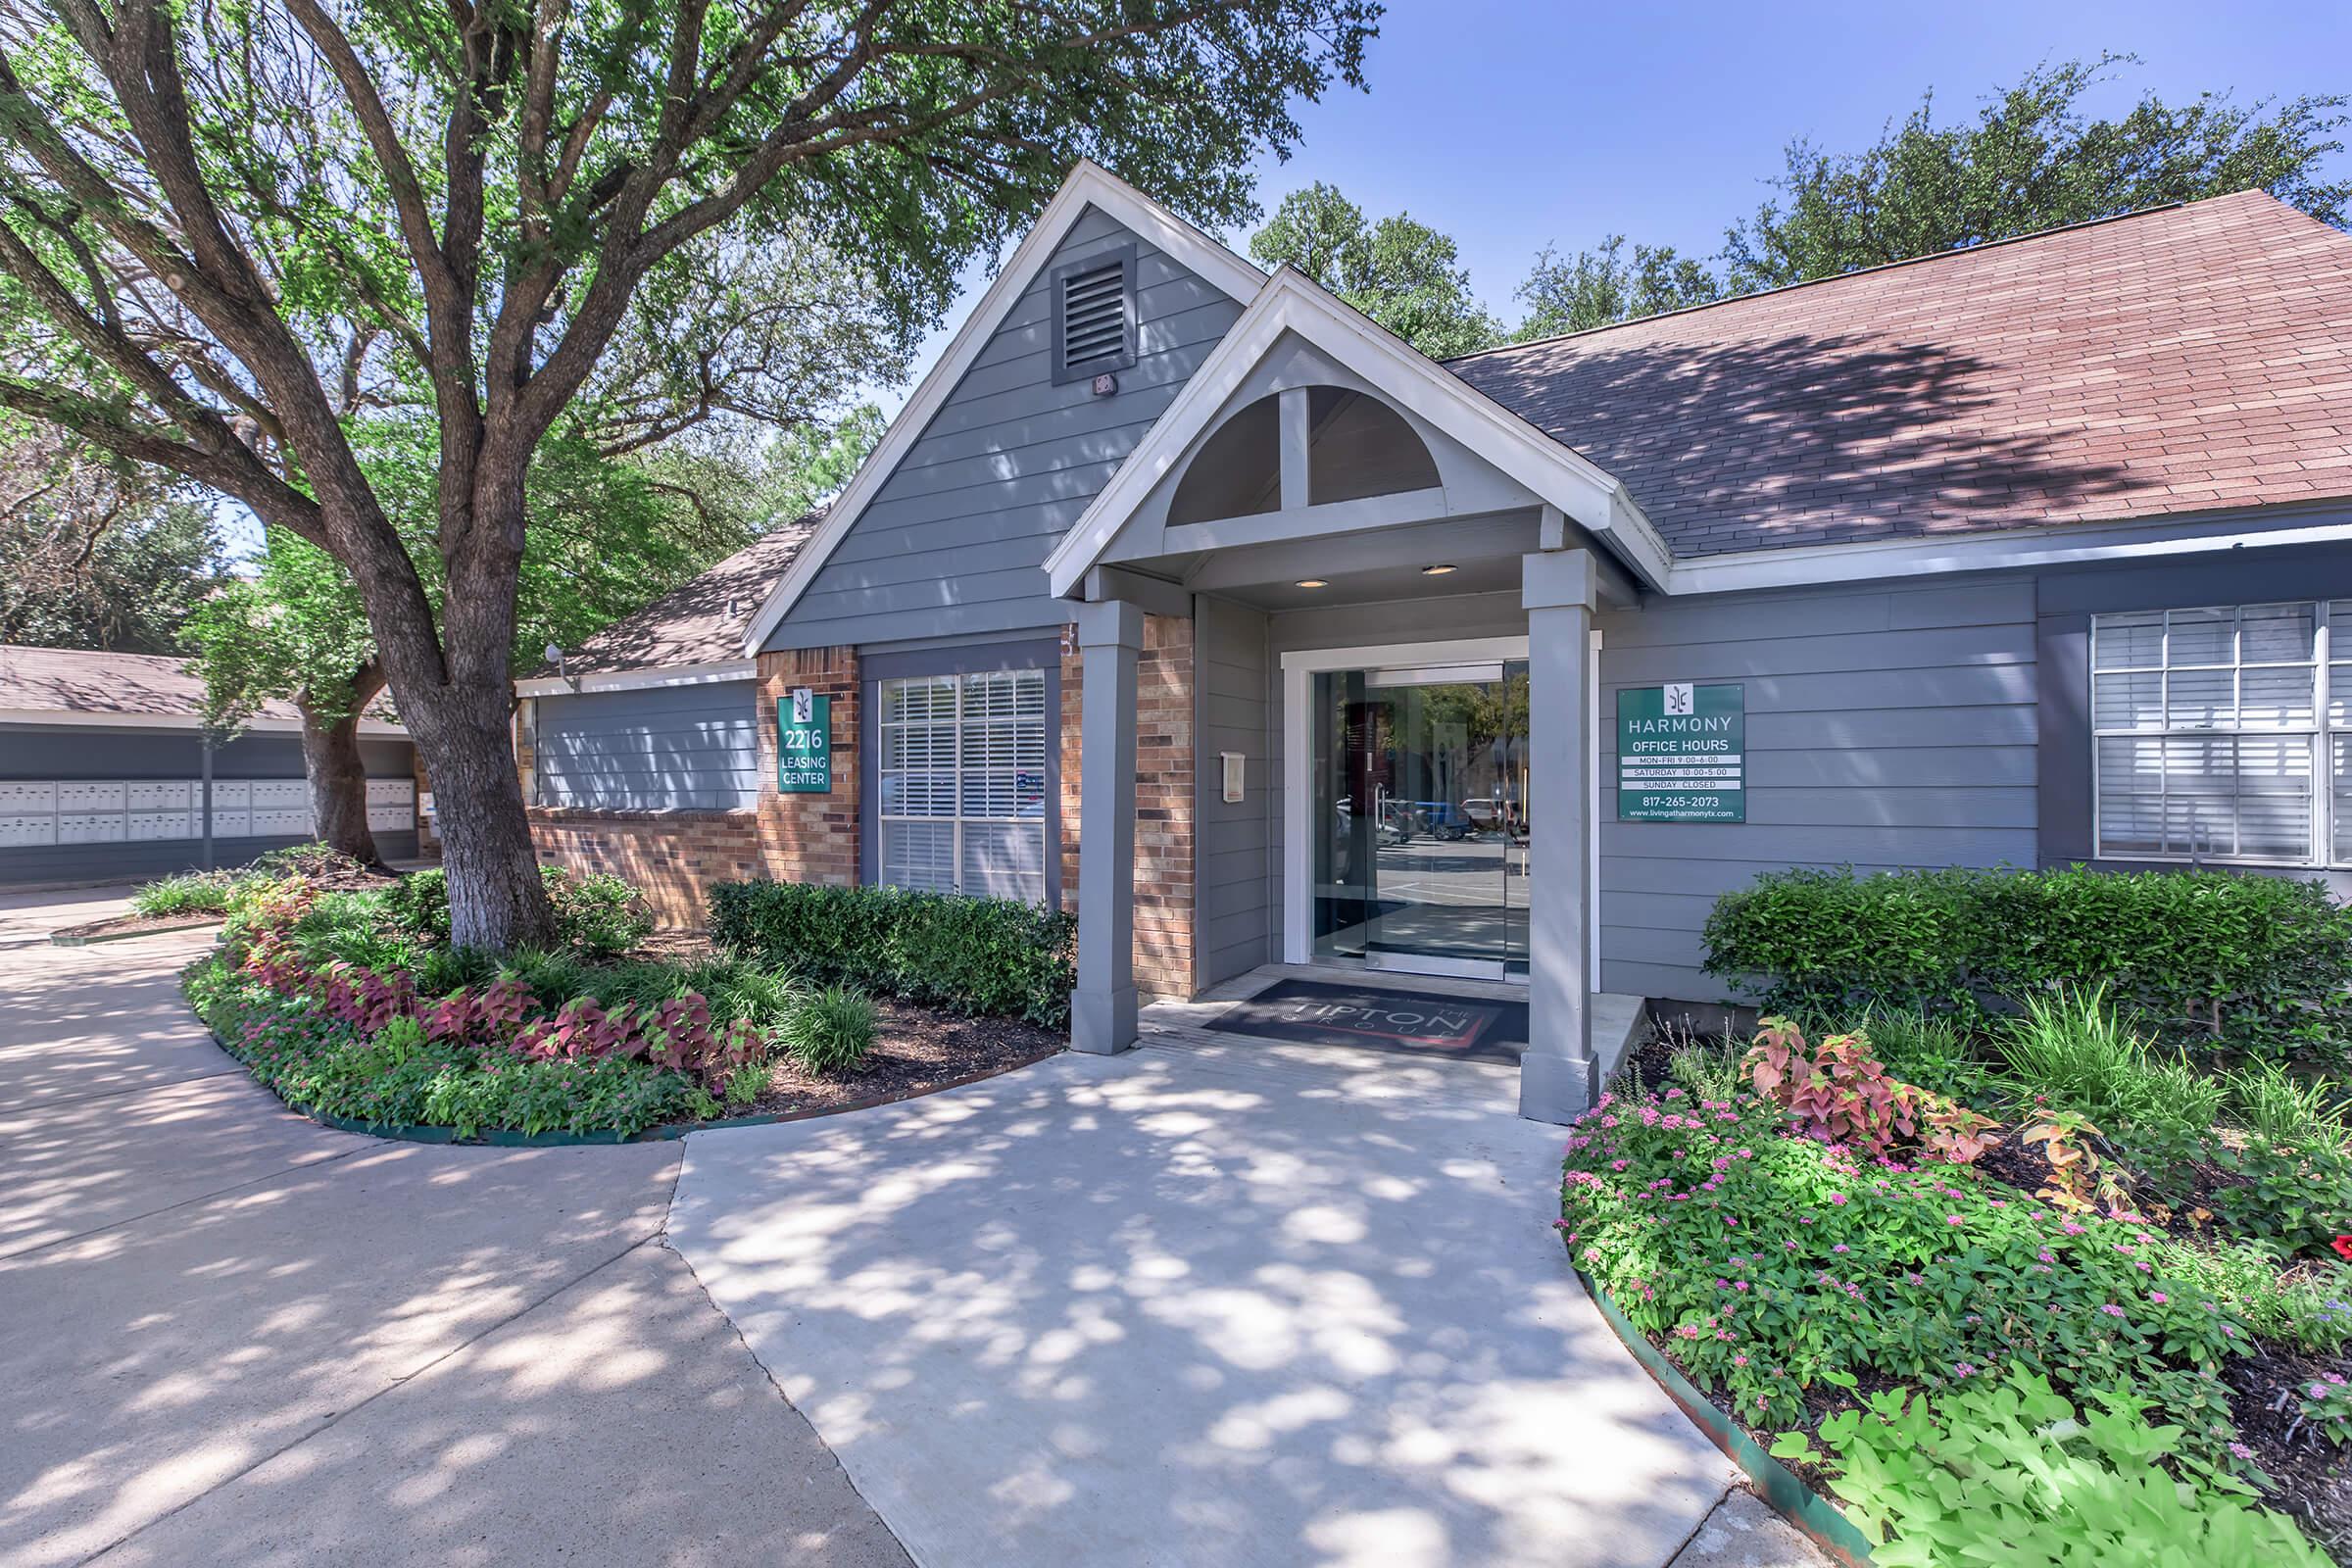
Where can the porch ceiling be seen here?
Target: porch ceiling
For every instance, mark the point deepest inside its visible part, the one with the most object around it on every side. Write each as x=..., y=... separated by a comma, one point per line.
x=1379, y=584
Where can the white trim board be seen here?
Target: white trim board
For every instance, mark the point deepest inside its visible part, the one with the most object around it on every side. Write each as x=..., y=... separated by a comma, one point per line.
x=2009, y=549
x=622, y=680
x=373, y=728
x=1088, y=185
x=1289, y=302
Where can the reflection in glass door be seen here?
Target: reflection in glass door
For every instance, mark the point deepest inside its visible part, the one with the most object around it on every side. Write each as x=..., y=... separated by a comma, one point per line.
x=1418, y=818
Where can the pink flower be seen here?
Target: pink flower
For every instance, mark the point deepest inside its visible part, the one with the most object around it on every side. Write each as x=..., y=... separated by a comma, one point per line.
x=1953, y=1220
x=2112, y=1310
x=1740, y=1359
x=2157, y=1297
x=1836, y=1198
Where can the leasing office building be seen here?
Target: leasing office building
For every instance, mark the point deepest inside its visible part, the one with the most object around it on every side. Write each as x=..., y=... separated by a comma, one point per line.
x=1189, y=596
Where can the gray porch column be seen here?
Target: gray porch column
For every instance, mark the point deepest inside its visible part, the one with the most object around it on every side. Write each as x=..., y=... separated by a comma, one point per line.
x=1110, y=634
x=1555, y=1077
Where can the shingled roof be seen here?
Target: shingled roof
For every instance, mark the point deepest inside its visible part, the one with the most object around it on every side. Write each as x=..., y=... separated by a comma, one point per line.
x=2177, y=361
x=703, y=622
x=82, y=686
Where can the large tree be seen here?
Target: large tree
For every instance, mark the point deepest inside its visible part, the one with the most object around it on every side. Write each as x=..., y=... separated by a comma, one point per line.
x=1595, y=287
x=1403, y=274
x=2034, y=157
x=96, y=553
x=220, y=216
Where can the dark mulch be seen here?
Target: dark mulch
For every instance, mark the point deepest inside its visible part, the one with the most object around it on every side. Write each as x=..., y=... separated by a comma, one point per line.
x=916, y=1050
x=680, y=946
x=2315, y=1484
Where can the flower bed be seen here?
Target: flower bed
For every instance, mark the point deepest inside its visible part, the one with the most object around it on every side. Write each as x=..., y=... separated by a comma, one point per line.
x=1825, y=1289
x=345, y=1008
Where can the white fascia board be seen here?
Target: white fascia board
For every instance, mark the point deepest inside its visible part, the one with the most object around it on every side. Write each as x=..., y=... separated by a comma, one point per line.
x=1291, y=303
x=1088, y=185
x=623, y=680
x=2017, y=548
x=375, y=727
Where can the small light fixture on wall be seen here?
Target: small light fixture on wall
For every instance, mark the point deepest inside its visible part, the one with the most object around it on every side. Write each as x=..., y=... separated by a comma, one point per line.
x=1311, y=582
x=1438, y=570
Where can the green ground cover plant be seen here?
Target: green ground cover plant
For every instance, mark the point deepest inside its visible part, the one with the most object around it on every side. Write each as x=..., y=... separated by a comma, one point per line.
x=192, y=892
x=2012, y=1471
x=597, y=913
x=977, y=957
x=2205, y=960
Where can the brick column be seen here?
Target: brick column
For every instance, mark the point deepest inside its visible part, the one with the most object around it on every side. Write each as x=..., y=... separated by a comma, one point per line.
x=811, y=838
x=1166, y=959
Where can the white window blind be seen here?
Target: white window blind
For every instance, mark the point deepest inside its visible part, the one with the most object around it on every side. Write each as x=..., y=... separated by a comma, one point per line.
x=962, y=808
x=2223, y=733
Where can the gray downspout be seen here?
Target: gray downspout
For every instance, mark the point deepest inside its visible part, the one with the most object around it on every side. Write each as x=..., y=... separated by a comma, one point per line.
x=208, y=798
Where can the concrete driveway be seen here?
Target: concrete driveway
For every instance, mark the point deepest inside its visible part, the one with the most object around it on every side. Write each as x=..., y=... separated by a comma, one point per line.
x=1246, y=1303
x=229, y=1336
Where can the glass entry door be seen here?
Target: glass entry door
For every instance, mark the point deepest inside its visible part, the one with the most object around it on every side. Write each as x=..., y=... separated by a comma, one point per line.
x=1418, y=818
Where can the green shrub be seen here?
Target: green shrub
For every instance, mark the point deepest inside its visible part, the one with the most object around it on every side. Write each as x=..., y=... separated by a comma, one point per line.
x=192, y=893
x=831, y=1029
x=2296, y=1307
x=2072, y=1050
x=982, y=957
x=418, y=904
x=1933, y=1051
x=2012, y=1473
x=598, y=912
x=2258, y=964
x=441, y=969
x=2275, y=1105
x=1707, y=1065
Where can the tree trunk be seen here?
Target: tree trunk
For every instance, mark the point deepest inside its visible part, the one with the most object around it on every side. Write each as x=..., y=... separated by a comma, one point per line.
x=497, y=899
x=338, y=779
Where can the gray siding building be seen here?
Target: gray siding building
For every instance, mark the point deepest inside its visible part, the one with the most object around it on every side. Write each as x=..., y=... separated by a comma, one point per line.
x=105, y=774
x=1184, y=596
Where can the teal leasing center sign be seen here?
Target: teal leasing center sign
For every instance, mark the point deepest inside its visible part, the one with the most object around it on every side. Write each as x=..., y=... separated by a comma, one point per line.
x=1682, y=754
x=804, y=742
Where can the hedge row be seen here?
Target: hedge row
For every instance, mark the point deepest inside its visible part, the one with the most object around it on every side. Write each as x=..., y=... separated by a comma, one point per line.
x=979, y=956
x=2254, y=963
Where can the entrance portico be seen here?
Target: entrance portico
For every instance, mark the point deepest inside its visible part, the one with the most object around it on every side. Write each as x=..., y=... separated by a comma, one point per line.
x=1396, y=604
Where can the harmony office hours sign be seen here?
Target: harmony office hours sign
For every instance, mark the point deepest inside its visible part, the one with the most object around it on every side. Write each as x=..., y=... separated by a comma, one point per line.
x=804, y=742
x=1682, y=754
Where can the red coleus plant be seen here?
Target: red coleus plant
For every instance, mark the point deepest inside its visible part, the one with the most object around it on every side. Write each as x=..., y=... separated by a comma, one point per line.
x=1840, y=1093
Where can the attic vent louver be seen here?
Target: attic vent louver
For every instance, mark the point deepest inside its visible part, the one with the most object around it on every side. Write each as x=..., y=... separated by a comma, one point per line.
x=1093, y=315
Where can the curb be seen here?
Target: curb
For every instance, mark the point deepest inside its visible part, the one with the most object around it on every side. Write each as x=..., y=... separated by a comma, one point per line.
x=506, y=1138
x=81, y=937
x=1814, y=1515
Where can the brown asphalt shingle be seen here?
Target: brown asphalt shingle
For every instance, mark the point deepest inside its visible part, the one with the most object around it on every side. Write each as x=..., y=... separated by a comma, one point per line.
x=703, y=622
x=2177, y=361
x=68, y=680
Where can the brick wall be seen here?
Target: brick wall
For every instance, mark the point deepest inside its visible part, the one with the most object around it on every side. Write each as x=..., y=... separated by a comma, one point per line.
x=1166, y=961
x=811, y=838
x=675, y=855
x=671, y=856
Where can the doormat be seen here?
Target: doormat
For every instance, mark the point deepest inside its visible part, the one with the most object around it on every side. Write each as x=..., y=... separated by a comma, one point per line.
x=1319, y=1012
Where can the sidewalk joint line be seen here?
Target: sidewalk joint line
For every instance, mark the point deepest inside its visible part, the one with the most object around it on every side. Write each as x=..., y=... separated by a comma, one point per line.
x=398, y=1383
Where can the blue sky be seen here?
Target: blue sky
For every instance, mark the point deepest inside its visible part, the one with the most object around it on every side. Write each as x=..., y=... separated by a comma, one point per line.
x=1511, y=126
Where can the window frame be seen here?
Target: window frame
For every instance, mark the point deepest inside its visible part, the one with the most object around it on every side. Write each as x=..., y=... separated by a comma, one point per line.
x=1042, y=657
x=1056, y=294
x=2319, y=734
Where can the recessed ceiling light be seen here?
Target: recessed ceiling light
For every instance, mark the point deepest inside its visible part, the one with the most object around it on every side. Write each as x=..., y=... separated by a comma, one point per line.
x=1310, y=582
x=1437, y=571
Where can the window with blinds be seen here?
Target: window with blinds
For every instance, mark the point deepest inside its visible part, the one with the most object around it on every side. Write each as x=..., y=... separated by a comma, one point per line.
x=962, y=778
x=1093, y=315
x=2225, y=733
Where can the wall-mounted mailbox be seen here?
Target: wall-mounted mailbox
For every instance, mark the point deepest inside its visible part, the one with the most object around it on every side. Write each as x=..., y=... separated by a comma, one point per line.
x=1229, y=769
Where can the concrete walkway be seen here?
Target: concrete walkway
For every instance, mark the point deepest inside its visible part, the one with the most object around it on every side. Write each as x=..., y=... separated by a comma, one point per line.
x=1200, y=1304
x=1234, y=1302
x=228, y=1336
